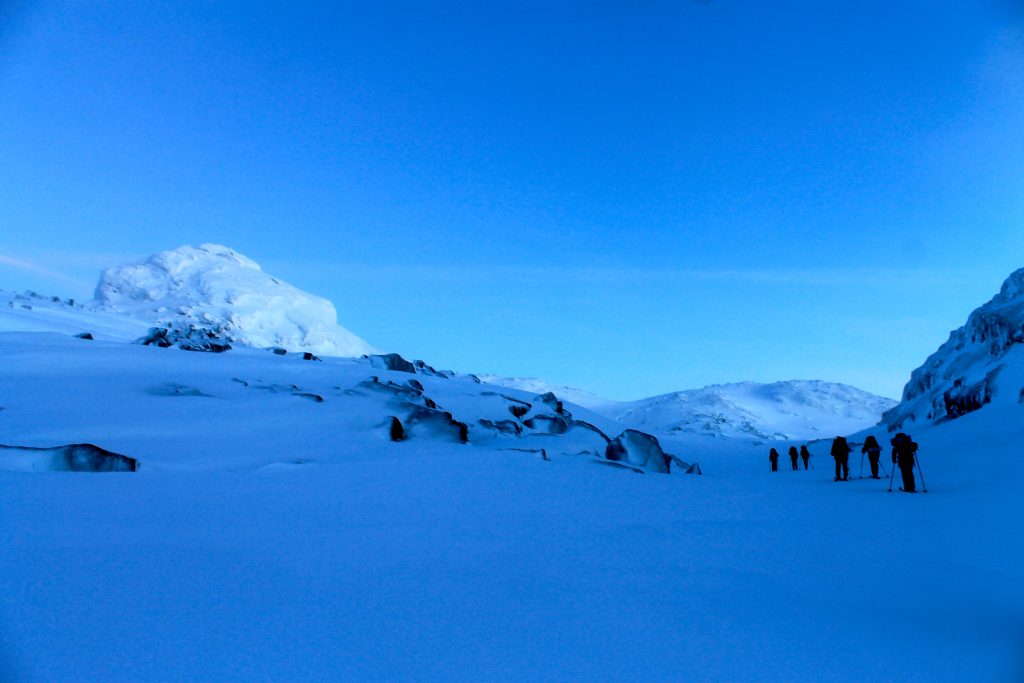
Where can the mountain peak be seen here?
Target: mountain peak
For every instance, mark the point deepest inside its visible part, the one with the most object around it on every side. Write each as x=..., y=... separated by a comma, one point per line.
x=214, y=285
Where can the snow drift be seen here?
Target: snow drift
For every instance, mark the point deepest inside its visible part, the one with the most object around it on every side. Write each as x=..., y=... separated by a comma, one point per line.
x=214, y=287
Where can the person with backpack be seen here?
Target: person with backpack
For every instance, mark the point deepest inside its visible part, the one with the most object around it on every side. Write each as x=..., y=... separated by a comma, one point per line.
x=874, y=451
x=904, y=452
x=793, y=455
x=805, y=454
x=774, y=457
x=841, y=452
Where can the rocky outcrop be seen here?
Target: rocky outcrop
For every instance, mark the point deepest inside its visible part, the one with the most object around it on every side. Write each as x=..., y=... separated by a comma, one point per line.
x=963, y=375
x=80, y=457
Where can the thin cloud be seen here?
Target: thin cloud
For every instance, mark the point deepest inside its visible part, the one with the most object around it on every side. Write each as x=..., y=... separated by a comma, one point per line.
x=43, y=271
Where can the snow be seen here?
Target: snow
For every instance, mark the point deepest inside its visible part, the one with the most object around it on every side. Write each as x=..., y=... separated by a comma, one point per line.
x=796, y=409
x=272, y=536
x=978, y=364
x=214, y=286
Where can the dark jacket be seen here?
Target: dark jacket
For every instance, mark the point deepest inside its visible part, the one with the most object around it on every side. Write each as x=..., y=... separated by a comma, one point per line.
x=773, y=455
x=903, y=451
x=804, y=453
x=840, y=449
x=871, y=445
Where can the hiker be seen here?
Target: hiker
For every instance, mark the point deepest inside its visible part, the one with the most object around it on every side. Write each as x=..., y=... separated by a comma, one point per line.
x=793, y=455
x=874, y=451
x=805, y=454
x=774, y=457
x=903, y=452
x=841, y=452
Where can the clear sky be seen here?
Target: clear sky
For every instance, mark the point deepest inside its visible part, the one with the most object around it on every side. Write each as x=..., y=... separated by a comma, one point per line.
x=629, y=197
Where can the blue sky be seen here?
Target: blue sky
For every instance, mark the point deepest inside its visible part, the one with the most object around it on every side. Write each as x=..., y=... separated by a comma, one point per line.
x=632, y=198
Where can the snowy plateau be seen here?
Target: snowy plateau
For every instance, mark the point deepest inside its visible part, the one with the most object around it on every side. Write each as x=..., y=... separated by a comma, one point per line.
x=204, y=478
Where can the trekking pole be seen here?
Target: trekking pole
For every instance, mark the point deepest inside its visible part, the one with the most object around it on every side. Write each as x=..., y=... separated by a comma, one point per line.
x=924, y=486
x=893, y=475
x=882, y=465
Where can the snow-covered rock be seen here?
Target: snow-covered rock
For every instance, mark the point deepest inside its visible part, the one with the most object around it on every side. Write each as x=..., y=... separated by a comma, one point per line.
x=216, y=287
x=981, y=362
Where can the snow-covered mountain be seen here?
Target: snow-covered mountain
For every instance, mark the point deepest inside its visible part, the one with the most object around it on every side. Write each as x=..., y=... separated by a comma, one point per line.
x=798, y=409
x=981, y=363
x=540, y=386
x=214, y=287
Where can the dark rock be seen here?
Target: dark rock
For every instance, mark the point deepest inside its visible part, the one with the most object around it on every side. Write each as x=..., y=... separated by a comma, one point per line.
x=638, y=449
x=306, y=355
x=960, y=400
x=395, y=430
x=549, y=399
x=519, y=410
x=278, y=351
x=547, y=424
x=84, y=335
x=399, y=390
x=72, y=458
x=510, y=427
x=316, y=398
x=539, y=451
x=424, y=369
x=435, y=423
x=415, y=384
x=172, y=389
x=204, y=346
x=157, y=336
x=392, y=361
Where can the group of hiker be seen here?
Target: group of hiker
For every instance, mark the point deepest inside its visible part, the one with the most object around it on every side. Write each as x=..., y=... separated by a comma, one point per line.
x=793, y=456
x=904, y=452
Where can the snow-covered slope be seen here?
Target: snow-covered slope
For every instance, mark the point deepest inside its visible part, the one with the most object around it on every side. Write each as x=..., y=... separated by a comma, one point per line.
x=276, y=531
x=32, y=312
x=539, y=386
x=798, y=409
x=981, y=363
x=215, y=287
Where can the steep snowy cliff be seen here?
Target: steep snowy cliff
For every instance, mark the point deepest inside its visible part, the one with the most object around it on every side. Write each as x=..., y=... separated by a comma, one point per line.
x=981, y=362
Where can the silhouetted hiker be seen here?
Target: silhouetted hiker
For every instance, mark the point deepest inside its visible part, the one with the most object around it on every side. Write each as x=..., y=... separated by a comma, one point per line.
x=903, y=452
x=805, y=454
x=774, y=457
x=841, y=452
x=793, y=455
x=874, y=451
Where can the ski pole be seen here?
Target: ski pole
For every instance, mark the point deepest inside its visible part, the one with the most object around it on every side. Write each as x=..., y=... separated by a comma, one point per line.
x=924, y=486
x=891, y=476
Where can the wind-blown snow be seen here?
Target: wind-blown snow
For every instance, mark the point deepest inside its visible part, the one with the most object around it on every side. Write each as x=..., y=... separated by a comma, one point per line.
x=981, y=362
x=214, y=286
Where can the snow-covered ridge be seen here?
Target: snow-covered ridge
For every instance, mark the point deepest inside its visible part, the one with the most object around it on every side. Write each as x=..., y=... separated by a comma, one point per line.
x=980, y=363
x=539, y=386
x=796, y=409
x=214, y=286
